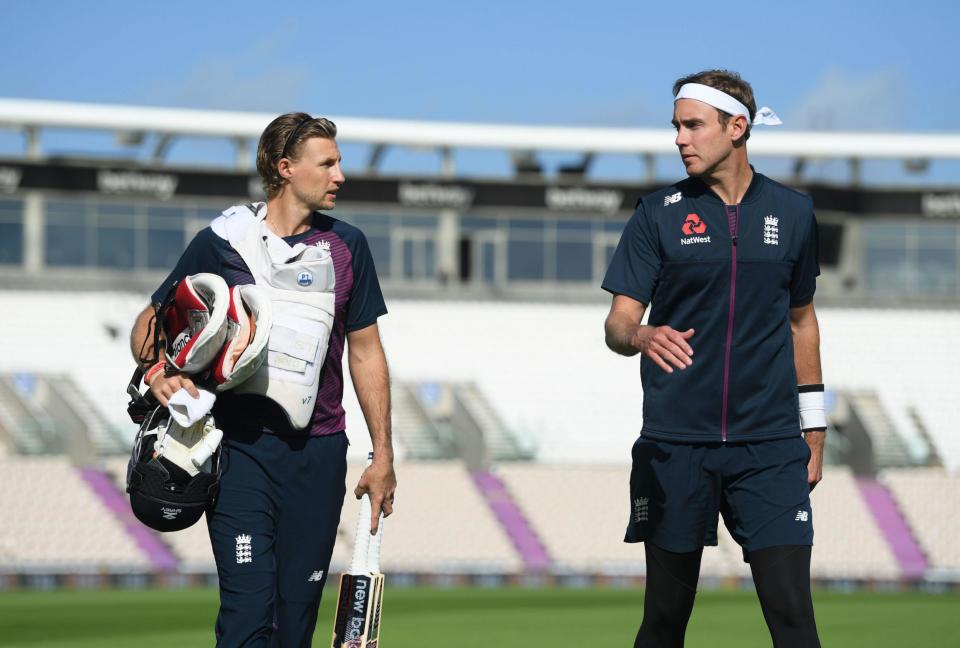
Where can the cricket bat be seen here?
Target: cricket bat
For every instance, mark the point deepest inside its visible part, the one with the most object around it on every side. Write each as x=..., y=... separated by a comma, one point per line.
x=357, y=623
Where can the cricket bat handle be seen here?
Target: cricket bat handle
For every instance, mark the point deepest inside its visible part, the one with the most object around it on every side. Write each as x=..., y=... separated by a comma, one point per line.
x=373, y=551
x=361, y=544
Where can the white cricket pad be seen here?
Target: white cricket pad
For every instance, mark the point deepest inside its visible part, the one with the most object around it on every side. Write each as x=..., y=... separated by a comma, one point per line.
x=249, y=320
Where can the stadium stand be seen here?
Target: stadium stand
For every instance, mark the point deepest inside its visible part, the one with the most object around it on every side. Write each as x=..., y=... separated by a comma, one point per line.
x=860, y=351
x=558, y=384
x=543, y=368
x=415, y=433
x=445, y=527
x=546, y=371
x=581, y=512
x=52, y=519
x=442, y=524
x=847, y=543
x=99, y=362
x=928, y=500
x=28, y=430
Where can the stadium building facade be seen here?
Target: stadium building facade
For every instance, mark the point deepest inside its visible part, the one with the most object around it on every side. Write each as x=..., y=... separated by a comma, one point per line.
x=110, y=222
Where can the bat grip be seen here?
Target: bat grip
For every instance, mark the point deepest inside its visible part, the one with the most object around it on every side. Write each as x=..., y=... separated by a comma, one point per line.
x=373, y=552
x=361, y=544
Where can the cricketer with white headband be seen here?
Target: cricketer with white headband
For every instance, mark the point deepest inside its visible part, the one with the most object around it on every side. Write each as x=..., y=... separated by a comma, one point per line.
x=713, y=283
x=722, y=101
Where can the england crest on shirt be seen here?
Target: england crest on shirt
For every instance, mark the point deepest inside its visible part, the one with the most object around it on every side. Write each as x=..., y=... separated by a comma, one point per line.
x=771, y=230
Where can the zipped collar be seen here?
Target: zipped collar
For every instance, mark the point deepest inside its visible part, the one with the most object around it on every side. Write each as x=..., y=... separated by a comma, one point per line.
x=752, y=194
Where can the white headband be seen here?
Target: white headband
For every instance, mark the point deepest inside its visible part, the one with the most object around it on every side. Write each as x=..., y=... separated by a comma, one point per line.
x=722, y=101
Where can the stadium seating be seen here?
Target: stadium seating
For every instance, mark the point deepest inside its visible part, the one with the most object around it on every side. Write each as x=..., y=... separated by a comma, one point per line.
x=52, y=519
x=564, y=500
x=847, y=542
x=930, y=502
x=97, y=357
x=868, y=349
x=580, y=514
x=445, y=526
x=547, y=374
x=543, y=367
x=546, y=370
x=442, y=524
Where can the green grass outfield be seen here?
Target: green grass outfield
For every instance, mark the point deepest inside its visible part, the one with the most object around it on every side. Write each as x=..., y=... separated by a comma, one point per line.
x=502, y=618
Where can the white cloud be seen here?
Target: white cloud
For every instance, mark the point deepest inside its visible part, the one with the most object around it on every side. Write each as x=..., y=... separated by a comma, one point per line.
x=229, y=84
x=842, y=101
x=258, y=77
x=628, y=110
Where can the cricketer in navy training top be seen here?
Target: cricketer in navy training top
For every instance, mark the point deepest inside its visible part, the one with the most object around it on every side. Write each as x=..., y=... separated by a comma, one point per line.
x=274, y=523
x=733, y=415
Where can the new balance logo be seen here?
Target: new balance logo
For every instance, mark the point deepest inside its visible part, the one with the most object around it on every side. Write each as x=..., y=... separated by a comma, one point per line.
x=244, y=549
x=641, y=509
x=771, y=230
x=802, y=516
x=315, y=577
x=672, y=198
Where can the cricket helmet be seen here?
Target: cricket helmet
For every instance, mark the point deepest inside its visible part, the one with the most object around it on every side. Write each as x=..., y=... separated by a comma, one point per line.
x=164, y=495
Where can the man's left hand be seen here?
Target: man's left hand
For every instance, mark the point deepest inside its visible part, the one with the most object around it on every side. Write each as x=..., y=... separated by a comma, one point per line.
x=815, y=439
x=380, y=482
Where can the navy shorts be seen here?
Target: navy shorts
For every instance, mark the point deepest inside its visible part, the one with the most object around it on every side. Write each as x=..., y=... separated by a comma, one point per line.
x=678, y=490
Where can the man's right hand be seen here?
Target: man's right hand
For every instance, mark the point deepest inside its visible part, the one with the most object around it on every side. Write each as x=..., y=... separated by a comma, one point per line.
x=163, y=387
x=665, y=346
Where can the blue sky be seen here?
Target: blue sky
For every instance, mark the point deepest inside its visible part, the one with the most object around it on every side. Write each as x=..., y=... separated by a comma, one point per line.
x=826, y=65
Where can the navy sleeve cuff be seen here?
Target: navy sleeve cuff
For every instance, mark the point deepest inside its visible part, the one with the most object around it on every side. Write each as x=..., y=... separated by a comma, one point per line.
x=364, y=323
x=633, y=294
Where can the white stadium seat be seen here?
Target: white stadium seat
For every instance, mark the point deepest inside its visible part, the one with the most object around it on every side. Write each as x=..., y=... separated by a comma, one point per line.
x=580, y=513
x=847, y=542
x=930, y=502
x=442, y=524
x=52, y=519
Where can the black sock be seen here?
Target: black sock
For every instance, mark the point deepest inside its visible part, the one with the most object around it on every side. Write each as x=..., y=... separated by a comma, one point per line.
x=782, y=577
x=671, y=588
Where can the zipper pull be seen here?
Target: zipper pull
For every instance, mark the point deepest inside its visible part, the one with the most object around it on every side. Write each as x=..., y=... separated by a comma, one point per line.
x=734, y=239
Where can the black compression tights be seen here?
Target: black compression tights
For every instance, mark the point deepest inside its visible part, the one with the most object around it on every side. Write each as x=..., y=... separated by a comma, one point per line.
x=671, y=587
x=782, y=577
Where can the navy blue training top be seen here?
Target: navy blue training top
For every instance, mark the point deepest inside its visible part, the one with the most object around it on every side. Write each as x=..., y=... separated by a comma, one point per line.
x=358, y=304
x=732, y=273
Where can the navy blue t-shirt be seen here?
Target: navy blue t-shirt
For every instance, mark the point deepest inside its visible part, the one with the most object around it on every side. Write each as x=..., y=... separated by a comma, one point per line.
x=732, y=273
x=358, y=304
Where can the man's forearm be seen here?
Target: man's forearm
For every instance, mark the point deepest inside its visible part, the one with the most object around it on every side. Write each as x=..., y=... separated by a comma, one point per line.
x=620, y=330
x=806, y=357
x=371, y=380
x=806, y=351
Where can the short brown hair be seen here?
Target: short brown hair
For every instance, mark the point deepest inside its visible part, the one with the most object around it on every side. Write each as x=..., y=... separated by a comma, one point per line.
x=284, y=138
x=724, y=81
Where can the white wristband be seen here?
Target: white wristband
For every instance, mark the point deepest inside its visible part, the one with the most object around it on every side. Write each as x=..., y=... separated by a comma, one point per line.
x=813, y=414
